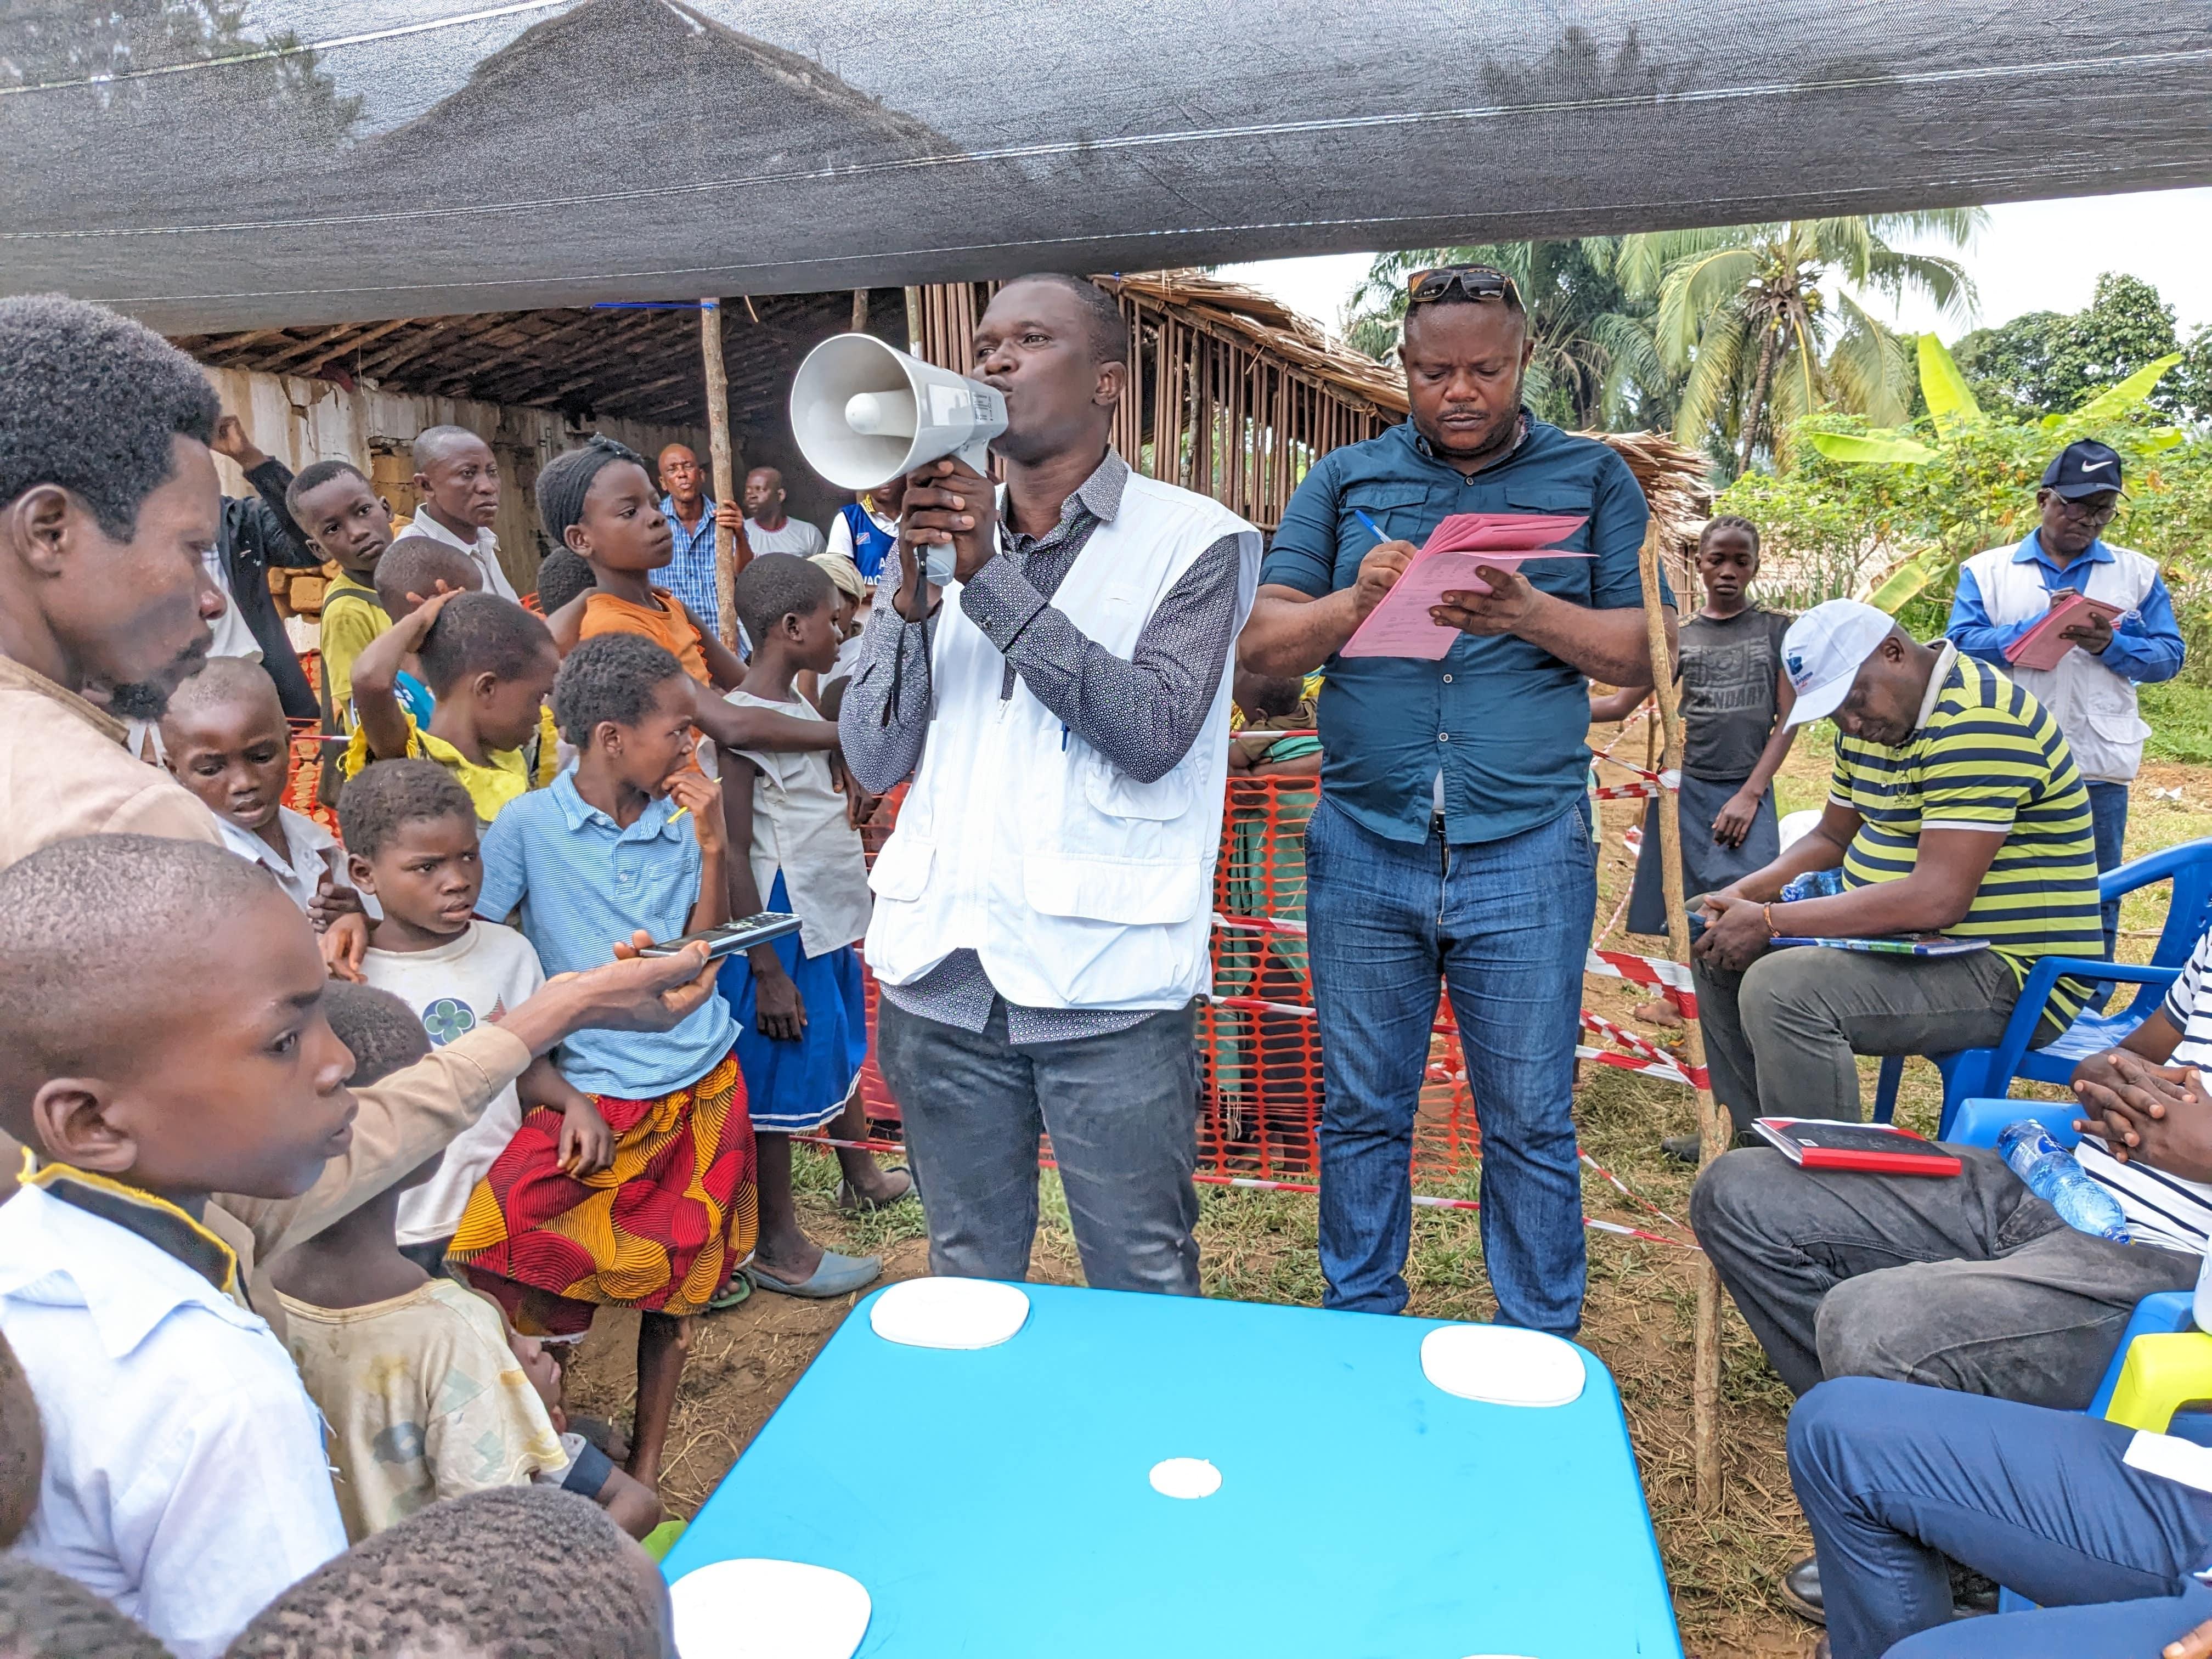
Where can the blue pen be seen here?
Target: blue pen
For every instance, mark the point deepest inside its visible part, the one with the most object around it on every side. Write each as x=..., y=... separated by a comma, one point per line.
x=1373, y=528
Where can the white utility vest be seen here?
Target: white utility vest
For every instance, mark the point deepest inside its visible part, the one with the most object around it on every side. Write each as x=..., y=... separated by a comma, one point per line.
x=1076, y=885
x=2095, y=706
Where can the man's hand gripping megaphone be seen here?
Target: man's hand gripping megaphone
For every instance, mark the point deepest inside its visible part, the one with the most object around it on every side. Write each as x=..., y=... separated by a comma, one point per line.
x=948, y=506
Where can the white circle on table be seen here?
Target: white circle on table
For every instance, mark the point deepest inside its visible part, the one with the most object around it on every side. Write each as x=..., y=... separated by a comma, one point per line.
x=1185, y=1477
x=757, y=1607
x=1501, y=1365
x=949, y=1313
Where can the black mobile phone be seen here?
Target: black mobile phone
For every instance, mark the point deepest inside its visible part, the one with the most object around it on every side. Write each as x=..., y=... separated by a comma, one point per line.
x=730, y=937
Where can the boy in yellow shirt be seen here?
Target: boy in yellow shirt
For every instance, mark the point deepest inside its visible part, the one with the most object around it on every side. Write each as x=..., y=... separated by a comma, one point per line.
x=489, y=664
x=346, y=522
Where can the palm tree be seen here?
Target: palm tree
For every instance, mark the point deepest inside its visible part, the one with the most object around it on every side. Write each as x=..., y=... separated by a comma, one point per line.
x=1595, y=364
x=1743, y=315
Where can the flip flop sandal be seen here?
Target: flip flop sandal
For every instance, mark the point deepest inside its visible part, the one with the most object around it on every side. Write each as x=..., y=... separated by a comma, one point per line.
x=837, y=1275
x=851, y=1203
x=737, y=1291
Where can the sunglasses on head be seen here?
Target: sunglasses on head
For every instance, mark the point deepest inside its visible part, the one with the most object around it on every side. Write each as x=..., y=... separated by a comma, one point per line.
x=1478, y=283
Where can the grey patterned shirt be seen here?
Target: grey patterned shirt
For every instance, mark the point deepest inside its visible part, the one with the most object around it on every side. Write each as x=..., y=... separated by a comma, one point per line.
x=1142, y=713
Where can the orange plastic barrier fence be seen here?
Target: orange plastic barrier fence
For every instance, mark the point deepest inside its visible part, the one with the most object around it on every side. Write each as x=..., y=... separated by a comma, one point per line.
x=1259, y=1047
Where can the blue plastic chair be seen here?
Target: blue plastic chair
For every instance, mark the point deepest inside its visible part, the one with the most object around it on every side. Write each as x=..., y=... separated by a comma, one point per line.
x=1978, y=1122
x=1972, y=1072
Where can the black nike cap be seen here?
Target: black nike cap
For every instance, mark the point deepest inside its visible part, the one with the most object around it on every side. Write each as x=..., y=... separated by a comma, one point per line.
x=2086, y=468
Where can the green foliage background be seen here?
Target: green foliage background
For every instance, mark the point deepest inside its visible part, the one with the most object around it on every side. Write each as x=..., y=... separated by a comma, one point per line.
x=1828, y=528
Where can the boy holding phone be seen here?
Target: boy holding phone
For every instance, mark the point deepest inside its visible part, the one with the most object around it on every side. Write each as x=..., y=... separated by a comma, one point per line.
x=628, y=840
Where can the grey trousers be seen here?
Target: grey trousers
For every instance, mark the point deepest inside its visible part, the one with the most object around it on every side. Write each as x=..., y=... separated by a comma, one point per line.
x=1972, y=1283
x=1122, y=1112
x=1780, y=1035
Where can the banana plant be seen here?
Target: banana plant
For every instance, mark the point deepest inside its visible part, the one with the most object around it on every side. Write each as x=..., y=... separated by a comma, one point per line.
x=1955, y=413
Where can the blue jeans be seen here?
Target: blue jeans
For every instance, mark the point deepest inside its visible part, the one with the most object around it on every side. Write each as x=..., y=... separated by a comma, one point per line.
x=1121, y=1108
x=1505, y=925
x=1893, y=1476
x=2108, y=812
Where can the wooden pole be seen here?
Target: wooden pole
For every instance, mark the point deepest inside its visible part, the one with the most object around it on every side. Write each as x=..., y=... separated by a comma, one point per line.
x=718, y=436
x=1713, y=1128
x=913, y=323
x=860, y=311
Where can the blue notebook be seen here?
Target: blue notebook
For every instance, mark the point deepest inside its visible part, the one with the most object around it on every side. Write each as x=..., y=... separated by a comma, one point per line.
x=1928, y=944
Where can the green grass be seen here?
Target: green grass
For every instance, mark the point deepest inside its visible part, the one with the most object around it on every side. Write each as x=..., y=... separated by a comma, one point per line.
x=2180, y=720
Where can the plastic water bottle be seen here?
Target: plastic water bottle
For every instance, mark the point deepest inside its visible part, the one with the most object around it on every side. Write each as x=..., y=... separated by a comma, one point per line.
x=1813, y=884
x=2051, y=1173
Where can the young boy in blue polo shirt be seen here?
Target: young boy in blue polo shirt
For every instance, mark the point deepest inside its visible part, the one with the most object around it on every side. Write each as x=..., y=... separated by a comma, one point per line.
x=183, y=1478
x=627, y=843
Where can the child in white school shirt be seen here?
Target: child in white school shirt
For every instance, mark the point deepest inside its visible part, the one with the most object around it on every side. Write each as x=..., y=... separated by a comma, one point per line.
x=410, y=834
x=184, y=1476
x=225, y=735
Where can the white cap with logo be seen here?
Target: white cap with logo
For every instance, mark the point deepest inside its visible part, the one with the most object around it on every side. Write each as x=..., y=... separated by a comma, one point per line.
x=1824, y=650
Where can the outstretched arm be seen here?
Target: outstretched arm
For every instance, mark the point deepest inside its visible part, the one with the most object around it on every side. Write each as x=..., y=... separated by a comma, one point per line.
x=1620, y=704
x=885, y=714
x=736, y=726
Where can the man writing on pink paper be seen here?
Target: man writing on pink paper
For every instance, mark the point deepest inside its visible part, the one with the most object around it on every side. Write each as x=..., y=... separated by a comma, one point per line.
x=1453, y=841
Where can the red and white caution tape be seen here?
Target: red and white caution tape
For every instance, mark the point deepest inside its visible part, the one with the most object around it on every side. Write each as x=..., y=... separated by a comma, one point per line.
x=1658, y=972
x=1259, y=924
x=1652, y=784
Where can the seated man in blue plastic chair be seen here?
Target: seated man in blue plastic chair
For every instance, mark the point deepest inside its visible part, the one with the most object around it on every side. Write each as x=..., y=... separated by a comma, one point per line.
x=1955, y=808
x=1974, y=1282
x=2107, y=1530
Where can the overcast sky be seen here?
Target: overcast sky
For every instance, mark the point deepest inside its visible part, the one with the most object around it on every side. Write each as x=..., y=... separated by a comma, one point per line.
x=2034, y=256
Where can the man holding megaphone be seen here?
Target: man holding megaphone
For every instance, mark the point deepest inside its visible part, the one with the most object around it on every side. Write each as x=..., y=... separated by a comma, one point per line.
x=1049, y=665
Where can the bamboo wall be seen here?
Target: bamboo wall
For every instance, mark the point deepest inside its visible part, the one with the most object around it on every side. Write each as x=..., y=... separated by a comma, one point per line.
x=1205, y=409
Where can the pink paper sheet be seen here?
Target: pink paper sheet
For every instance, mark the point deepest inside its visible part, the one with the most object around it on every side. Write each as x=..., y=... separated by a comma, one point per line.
x=2041, y=646
x=1401, y=625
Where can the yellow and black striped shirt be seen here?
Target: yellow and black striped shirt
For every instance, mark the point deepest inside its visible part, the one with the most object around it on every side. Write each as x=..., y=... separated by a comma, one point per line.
x=1988, y=758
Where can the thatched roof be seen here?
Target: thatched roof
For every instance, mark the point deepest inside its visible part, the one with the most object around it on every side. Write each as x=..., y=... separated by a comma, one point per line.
x=1266, y=323
x=645, y=364
x=1676, y=480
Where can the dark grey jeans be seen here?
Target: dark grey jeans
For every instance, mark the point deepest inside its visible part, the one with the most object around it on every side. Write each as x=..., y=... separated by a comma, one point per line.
x=1780, y=1035
x=1122, y=1112
x=1972, y=1283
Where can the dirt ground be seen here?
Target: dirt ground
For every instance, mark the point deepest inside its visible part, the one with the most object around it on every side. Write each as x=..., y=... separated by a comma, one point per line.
x=1723, y=1567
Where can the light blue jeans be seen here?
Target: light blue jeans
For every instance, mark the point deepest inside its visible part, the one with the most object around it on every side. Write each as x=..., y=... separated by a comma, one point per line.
x=1504, y=926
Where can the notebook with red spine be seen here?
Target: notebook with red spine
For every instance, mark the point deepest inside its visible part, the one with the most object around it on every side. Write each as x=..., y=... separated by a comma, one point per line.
x=1820, y=1143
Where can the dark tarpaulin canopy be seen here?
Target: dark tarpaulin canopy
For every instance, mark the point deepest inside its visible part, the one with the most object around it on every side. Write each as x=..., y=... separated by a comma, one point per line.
x=237, y=164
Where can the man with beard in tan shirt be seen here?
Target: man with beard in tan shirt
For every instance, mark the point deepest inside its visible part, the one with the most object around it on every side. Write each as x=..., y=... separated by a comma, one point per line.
x=108, y=498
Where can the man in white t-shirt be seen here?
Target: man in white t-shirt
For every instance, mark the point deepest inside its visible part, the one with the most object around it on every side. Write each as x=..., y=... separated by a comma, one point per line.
x=768, y=530
x=458, y=477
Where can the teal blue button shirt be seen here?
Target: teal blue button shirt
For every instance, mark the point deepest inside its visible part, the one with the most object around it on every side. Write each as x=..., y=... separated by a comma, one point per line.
x=1505, y=721
x=584, y=882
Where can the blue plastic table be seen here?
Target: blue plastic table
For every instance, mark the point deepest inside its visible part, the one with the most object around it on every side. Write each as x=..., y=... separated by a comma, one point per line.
x=996, y=1502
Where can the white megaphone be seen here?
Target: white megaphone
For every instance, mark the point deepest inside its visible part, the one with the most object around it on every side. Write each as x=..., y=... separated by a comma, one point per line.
x=864, y=412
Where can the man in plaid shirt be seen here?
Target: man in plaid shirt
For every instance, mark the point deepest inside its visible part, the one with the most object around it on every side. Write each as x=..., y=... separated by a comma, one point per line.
x=692, y=518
